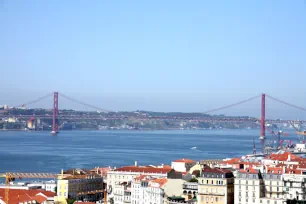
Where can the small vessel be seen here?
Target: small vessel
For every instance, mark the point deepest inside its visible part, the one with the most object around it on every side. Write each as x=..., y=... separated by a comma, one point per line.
x=53, y=133
x=193, y=148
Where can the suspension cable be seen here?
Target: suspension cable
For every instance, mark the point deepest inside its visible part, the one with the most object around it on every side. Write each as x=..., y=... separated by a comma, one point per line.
x=286, y=103
x=84, y=104
x=35, y=101
x=231, y=105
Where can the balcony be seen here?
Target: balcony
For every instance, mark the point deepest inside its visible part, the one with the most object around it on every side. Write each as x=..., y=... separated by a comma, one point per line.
x=190, y=186
x=127, y=199
x=212, y=193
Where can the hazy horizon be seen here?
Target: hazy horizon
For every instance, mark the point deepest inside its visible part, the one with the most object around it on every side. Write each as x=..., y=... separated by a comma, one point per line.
x=172, y=56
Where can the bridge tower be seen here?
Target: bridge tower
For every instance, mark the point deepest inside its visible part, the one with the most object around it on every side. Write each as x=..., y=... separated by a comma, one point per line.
x=55, y=114
x=262, y=122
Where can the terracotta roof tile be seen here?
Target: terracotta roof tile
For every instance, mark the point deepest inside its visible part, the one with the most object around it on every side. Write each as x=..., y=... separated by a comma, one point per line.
x=18, y=195
x=144, y=169
x=274, y=170
x=249, y=171
x=160, y=181
x=184, y=160
x=284, y=157
x=39, y=198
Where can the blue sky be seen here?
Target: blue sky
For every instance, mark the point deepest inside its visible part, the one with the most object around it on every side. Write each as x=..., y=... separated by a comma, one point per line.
x=155, y=55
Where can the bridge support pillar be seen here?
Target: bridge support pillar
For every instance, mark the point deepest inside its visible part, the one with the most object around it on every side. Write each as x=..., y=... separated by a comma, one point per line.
x=55, y=113
x=262, y=122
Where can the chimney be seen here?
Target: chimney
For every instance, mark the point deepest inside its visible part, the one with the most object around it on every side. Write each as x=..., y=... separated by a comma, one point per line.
x=136, y=163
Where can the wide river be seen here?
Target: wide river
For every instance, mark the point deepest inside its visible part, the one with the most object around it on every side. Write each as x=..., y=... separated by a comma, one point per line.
x=40, y=152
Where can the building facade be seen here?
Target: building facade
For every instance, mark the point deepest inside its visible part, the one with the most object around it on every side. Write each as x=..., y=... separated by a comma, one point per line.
x=295, y=186
x=183, y=165
x=80, y=185
x=249, y=187
x=216, y=186
x=129, y=173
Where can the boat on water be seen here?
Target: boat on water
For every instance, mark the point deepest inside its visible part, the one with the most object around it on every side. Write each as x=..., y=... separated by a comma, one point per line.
x=53, y=133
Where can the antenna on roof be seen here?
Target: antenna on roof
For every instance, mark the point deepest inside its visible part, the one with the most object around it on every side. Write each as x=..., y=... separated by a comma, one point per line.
x=254, y=146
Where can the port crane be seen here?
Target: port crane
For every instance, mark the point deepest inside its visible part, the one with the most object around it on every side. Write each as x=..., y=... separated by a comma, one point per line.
x=277, y=134
x=12, y=176
x=299, y=132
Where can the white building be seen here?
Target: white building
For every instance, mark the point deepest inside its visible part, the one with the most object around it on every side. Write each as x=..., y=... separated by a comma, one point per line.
x=273, y=188
x=139, y=186
x=295, y=186
x=122, y=193
x=46, y=185
x=155, y=193
x=128, y=173
x=251, y=186
x=183, y=165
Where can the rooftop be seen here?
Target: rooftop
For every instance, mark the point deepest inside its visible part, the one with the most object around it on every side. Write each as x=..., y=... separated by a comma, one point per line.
x=184, y=160
x=20, y=196
x=144, y=169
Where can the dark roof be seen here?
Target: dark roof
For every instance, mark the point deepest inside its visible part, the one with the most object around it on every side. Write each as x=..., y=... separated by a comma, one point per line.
x=216, y=170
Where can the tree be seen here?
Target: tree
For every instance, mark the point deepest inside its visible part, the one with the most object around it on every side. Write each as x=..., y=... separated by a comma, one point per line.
x=70, y=201
x=193, y=180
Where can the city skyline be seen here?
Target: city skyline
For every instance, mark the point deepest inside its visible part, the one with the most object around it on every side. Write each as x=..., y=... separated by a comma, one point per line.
x=161, y=56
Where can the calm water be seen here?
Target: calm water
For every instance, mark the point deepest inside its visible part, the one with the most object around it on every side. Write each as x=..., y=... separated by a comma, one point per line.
x=40, y=152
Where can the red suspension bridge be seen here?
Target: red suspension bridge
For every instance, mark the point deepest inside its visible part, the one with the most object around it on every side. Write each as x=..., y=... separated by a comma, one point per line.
x=262, y=120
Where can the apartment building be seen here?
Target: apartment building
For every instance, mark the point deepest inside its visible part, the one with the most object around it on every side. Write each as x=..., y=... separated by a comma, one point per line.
x=295, y=185
x=183, y=165
x=122, y=193
x=79, y=184
x=216, y=186
x=249, y=187
x=129, y=173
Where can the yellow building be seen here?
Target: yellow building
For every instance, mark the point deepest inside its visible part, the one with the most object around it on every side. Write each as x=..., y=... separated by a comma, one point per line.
x=216, y=186
x=79, y=184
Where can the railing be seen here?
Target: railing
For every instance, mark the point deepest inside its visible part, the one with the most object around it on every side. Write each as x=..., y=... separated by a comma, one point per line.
x=211, y=193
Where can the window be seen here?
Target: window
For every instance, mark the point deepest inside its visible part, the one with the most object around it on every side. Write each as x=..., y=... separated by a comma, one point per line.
x=206, y=181
x=246, y=187
x=202, y=198
x=253, y=200
x=246, y=200
x=212, y=181
x=275, y=202
x=260, y=201
x=207, y=199
x=246, y=182
x=217, y=199
x=253, y=182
